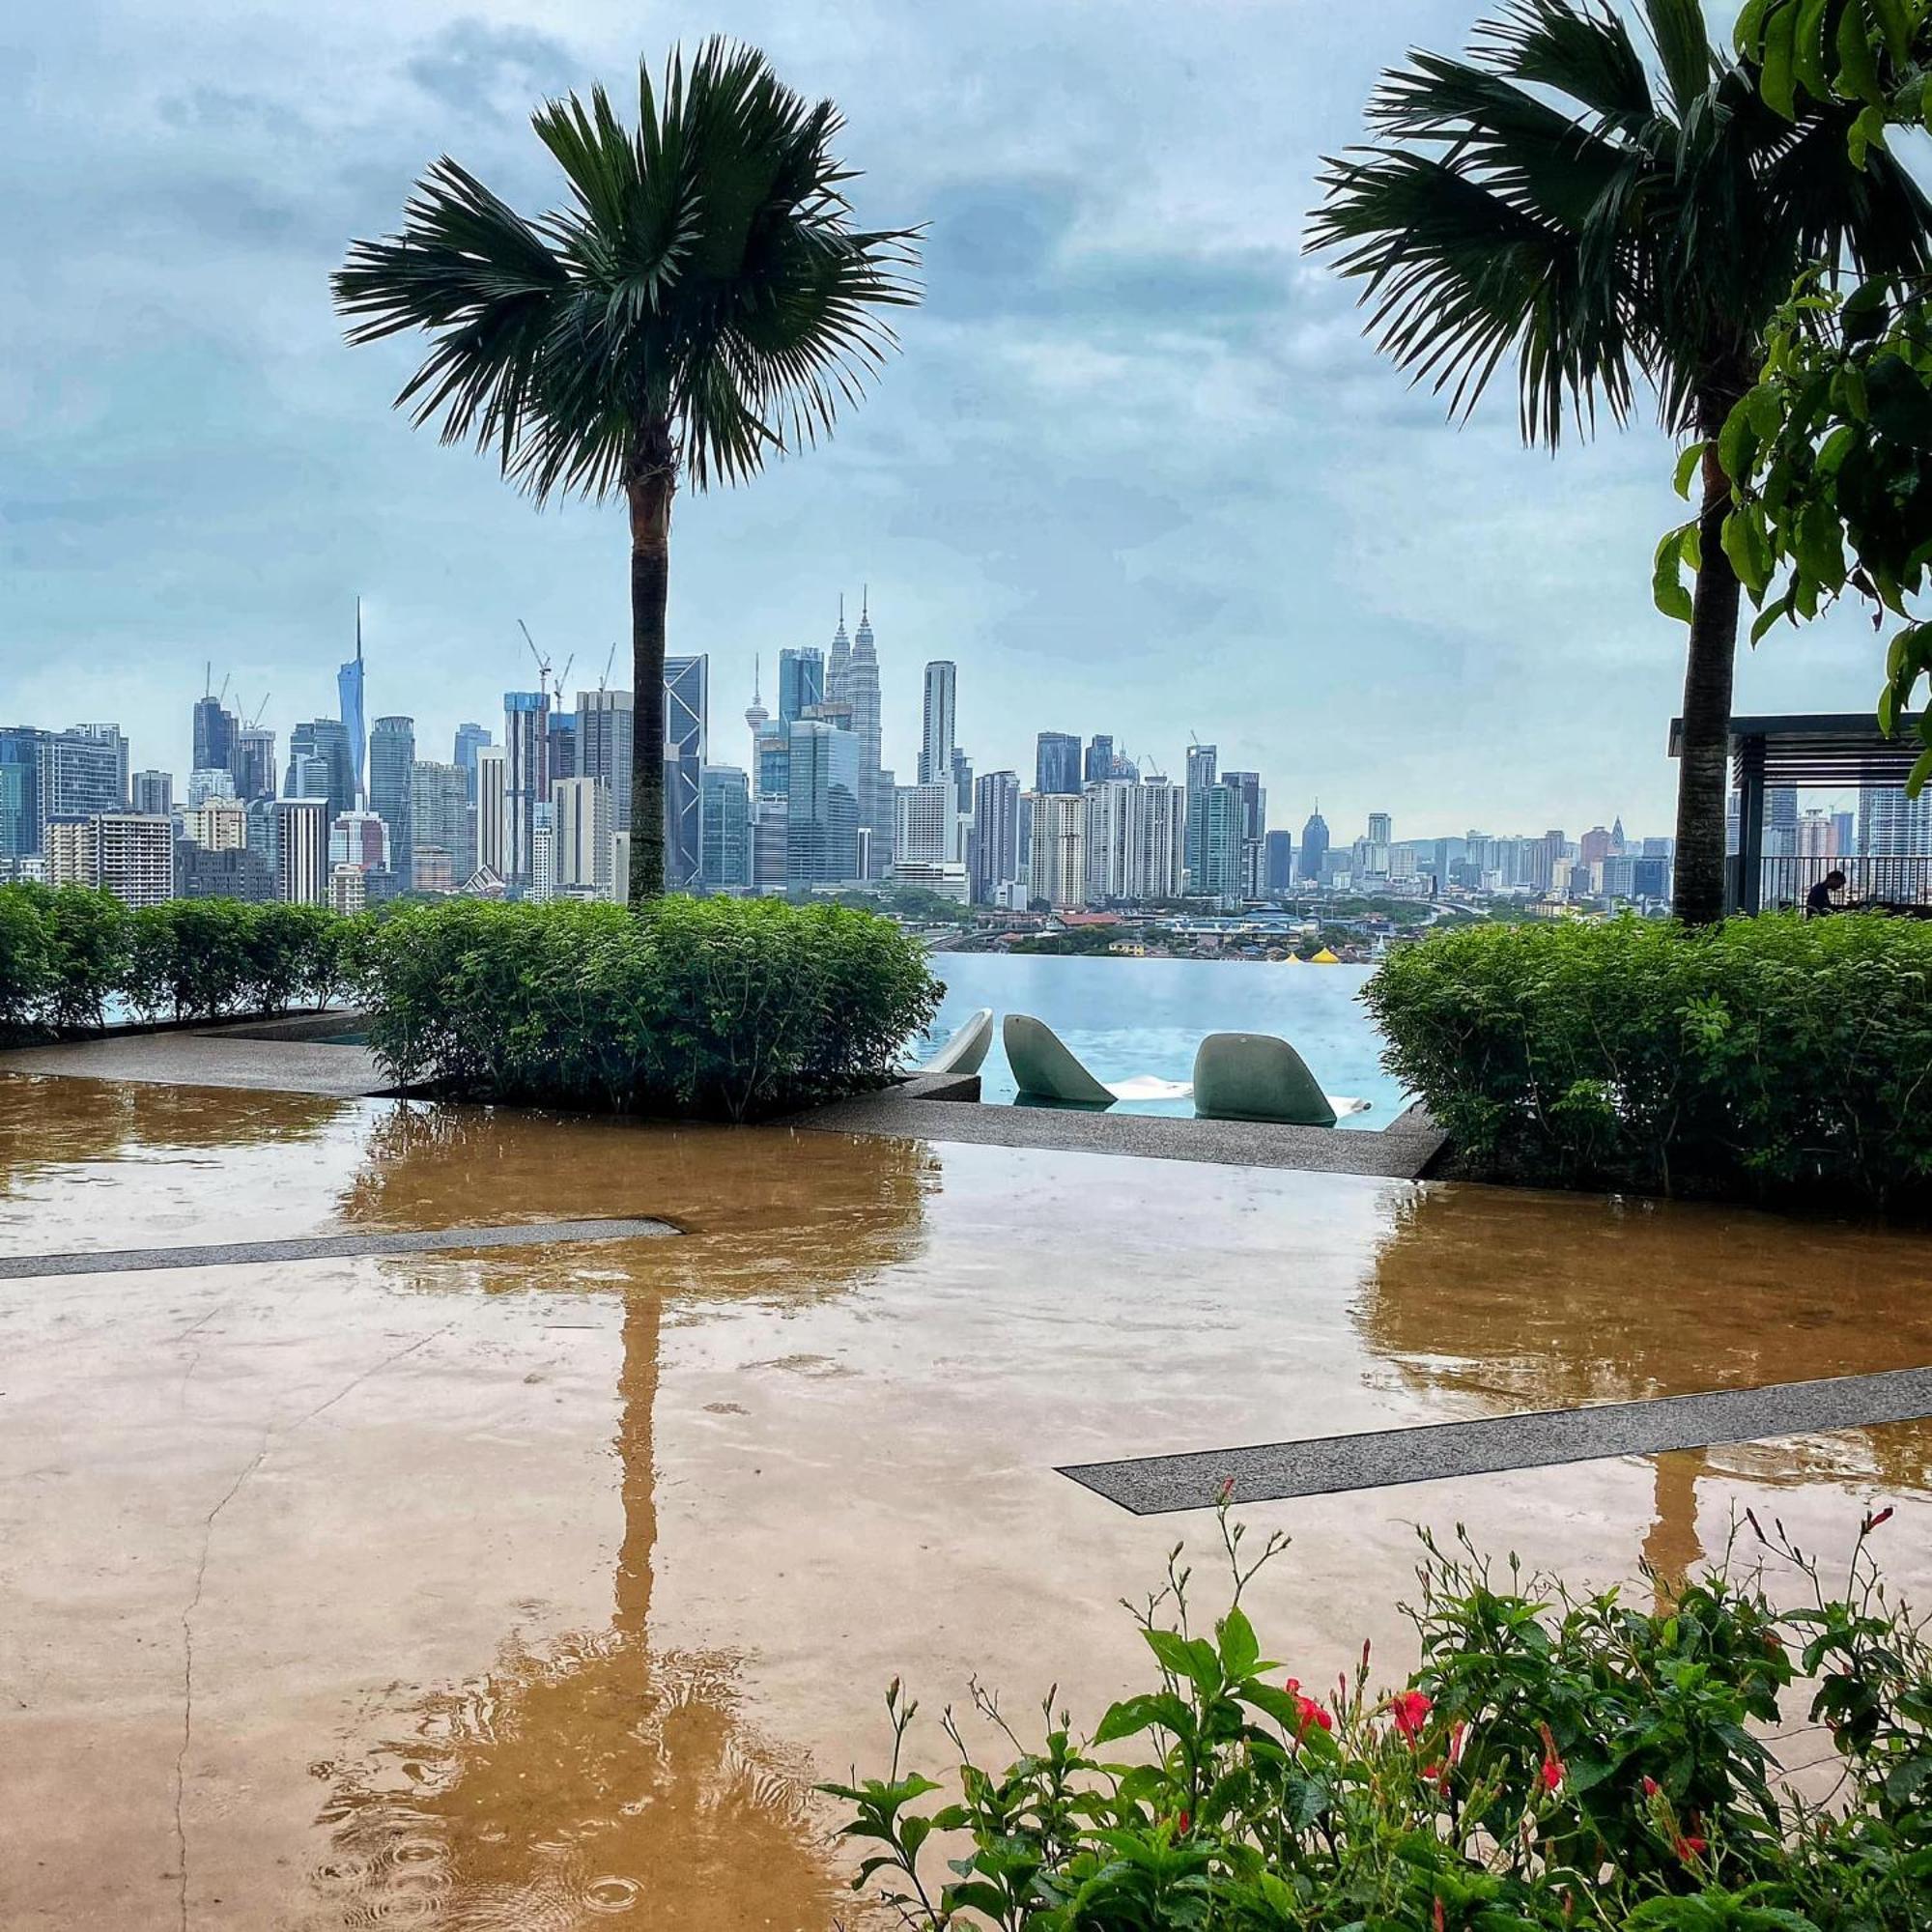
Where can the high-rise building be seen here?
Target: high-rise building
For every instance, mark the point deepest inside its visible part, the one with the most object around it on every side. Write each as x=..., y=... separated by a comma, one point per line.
x=1098, y=764
x=756, y=719
x=1595, y=845
x=726, y=831
x=542, y=888
x=225, y=872
x=940, y=722
x=320, y=766
x=255, y=765
x=124, y=853
x=1894, y=841
x=995, y=842
x=301, y=851
x=348, y=695
x=1381, y=828
x=392, y=759
x=205, y=785
x=80, y=775
x=687, y=715
x=1248, y=789
x=587, y=836
x=526, y=779
x=606, y=743
x=923, y=822
x=1214, y=844
x=1056, y=766
x=1202, y=765
x=22, y=819
x=1060, y=850
x=771, y=830
x=360, y=838
x=215, y=736
x=801, y=681
x=875, y=783
x=1278, y=863
x=443, y=819
x=110, y=735
x=153, y=793
x=217, y=825
x=822, y=804
x=562, y=747
x=1313, y=859
x=467, y=738
x=72, y=852
x=493, y=810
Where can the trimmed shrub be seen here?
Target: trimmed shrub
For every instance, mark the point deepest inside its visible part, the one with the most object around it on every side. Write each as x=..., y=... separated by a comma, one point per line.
x=86, y=936
x=1554, y=1763
x=1770, y=1057
x=732, y=1009
x=26, y=963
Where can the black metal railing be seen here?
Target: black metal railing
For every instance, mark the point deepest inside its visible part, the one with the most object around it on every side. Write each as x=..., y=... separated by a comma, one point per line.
x=1901, y=883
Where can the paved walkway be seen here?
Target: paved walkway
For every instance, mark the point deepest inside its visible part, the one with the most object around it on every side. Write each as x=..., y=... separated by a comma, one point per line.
x=218, y=1058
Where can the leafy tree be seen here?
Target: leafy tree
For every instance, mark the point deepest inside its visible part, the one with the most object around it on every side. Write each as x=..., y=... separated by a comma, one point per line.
x=1614, y=219
x=702, y=303
x=1831, y=453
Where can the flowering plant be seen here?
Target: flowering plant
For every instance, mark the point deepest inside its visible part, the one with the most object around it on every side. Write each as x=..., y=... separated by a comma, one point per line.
x=1554, y=1762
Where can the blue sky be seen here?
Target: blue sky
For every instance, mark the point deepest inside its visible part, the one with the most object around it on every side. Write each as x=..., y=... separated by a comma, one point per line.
x=1135, y=469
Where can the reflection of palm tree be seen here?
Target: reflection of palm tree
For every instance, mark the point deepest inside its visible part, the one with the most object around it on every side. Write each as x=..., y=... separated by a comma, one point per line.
x=599, y=1776
x=1525, y=1301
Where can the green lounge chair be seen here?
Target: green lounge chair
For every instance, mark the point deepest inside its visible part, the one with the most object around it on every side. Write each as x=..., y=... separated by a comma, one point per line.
x=1253, y=1076
x=1045, y=1072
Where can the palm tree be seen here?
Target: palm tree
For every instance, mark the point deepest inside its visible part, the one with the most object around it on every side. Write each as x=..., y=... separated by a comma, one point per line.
x=702, y=304
x=1616, y=222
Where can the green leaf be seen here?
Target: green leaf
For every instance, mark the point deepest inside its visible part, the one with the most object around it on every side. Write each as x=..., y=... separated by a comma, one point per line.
x=1807, y=50
x=1667, y=580
x=1779, y=82
x=1738, y=443
x=1688, y=463
x=1857, y=65
x=1134, y=1715
x=1240, y=1649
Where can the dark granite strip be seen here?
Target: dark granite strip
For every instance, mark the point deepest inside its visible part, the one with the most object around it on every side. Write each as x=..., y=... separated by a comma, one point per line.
x=320, y=1248
x=1324, y=1465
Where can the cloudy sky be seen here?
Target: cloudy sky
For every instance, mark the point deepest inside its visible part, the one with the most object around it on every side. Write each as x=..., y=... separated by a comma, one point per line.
x=1135, y=469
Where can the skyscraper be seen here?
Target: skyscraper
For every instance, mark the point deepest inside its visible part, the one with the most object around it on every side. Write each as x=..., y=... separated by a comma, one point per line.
x=153, y=792
x=562, y=763
x=441, y=818
x=22, y=819
x=801, y=680
x=939, y=721
x=1213, y=841
x=468, y=739
x=1099, y=763
x=1057, y=763
x=1203, y=764
x=996, y=828
x=924, y=818
x=493, y=810
x=585, y=833
x=79, y=775
x=214, y=734
x=1278, y=863
x=1381, y=828
x=1248, y=789
x=606, y=743
x=1314, y=847
x=111, y=736
x=320, y=765
x=301, y=850
x=526, y=779
x=726, y=833
x=822, y=817
x=1060, y=849
x=349, y=699
x=875, y=786
x=686, y=711
x=254, y=762
x=392, y=757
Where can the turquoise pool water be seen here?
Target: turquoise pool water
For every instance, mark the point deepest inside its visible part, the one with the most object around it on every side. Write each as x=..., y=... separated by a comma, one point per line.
x=1131, y=1019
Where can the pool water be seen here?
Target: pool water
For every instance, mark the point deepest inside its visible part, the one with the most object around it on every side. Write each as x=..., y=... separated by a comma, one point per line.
x=1140, y=1020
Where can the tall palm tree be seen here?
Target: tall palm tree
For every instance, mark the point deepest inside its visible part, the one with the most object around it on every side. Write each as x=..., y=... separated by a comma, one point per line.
x=702, y=303
x=1616, y=219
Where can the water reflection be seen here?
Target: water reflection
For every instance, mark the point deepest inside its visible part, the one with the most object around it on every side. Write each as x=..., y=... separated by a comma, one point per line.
x=1523, y=1301
x=597, y=1776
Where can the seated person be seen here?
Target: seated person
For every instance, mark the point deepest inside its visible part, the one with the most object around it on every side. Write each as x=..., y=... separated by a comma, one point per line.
x=1819, y=898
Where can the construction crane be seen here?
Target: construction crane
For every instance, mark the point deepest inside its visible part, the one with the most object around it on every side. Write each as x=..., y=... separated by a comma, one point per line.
x=603, y=682
x=260, y=709
x=545, y=682
x=563, y=678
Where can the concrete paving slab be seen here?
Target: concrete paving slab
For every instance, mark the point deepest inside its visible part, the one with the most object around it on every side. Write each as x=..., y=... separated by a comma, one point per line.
x=210, y=1060
x=1380, y=1459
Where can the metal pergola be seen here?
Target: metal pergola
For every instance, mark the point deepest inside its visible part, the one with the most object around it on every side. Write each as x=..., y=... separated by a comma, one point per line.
x=1843, y=751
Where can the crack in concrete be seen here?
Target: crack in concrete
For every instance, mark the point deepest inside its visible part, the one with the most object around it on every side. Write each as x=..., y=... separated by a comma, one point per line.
x=269, y=1436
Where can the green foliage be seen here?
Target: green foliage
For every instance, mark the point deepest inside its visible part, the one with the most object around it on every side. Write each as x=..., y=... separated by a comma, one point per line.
x=64, y=952
x=1772, y=1056
x=732, y=1008
x=1555, y=1761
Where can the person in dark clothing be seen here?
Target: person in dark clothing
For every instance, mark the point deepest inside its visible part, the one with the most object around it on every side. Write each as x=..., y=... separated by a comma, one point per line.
x=1819, y=898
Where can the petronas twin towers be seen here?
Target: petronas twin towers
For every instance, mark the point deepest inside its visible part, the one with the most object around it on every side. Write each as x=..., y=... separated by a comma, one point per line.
x=852, y=681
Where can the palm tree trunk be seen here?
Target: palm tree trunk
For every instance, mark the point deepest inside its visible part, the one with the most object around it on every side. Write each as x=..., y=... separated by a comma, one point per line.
x=1703, y=769
x=650, y=481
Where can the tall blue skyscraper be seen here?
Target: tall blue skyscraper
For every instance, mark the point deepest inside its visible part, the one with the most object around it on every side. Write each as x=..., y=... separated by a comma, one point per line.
x=801, y=681
x=1057, y=762
x=20, y=813
x=215, y=732
x=349, y=704
x=1314, y=847
x=686, y=711
x=727, y=829
x=320, y=766
x=392, y=757
x=468, y=737
x=526, y=779
x=822, y=818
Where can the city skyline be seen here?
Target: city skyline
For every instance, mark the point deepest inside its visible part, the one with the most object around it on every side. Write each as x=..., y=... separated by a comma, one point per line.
x=1134, y=450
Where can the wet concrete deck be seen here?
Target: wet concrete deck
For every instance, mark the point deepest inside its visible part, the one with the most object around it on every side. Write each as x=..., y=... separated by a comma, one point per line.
x=533, y=1586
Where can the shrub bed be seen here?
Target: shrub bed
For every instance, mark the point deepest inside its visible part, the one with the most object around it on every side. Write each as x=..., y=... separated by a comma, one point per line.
x=65, y=951
x=1769, y=1057
x=731, y=1009
x=1554, y=1763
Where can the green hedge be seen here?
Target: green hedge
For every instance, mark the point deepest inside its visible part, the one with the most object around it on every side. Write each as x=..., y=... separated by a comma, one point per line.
x=730, y=1008
x=65, y=951
x=1774, y=1057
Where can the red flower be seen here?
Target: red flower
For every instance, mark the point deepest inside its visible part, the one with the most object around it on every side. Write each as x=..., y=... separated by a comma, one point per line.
x=1411, y=1712
x=1186, y=1823
x=1552, y=1765
x=1650, y=1787
x=1459, y=1736
x=1688, y=1847
x=1871, y=1522
x=1306, y=1710
x=1438, y=1915
x=1227, y=1495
